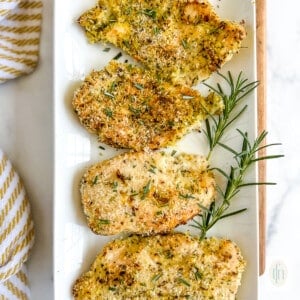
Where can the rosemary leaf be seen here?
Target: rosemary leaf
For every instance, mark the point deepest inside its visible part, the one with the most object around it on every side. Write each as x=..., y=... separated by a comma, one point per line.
x=256, y=183
x=183, y=281
x=146, y=190
x=269, y=145
x=138, y=86
x=156, y=277
x=220, y=171
x=229, y=149
x=184, y=44
x=117, y=56
x=198, y=275
x=233, y=213
x=108, y=112
x=267, y=157
x=186, y=196
x=156, y=30
x=150, y=13
x=95, y=180
x=104, y=222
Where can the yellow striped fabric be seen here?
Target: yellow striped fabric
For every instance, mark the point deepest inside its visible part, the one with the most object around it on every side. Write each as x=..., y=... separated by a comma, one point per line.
x=16, y=233
x=20, y=28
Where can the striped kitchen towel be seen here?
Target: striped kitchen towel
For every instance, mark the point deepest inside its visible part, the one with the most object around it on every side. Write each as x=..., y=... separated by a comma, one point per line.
x=16, y=233
x=20, y=27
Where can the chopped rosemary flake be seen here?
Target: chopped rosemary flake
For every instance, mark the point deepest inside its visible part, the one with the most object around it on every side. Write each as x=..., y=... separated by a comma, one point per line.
x=138, y=86
x=112, y=86
x=183, y=281
x=115, y=186
x=108, y=94
x=101, y=147
x=126, y=44
x=112, y=288
x=150, y=13
x=107, y=49
x=108, y=112
x=118, y=56
x=95, y=180
x=198, y=275
x=184, y=44
x=146, y=190
x=171, y=123
x=152, y=171
x=173, y=152
x=186, y=196
x=187, y=97
x=156, y=277
x=168, y=254
x=156, y=30
x=104, y=222
x=159, y=213
x=128, y=11
x=135, y=111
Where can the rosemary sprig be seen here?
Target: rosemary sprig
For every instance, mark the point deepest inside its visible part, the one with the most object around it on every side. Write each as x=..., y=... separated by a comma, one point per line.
x=235, y=181
x=239, y=89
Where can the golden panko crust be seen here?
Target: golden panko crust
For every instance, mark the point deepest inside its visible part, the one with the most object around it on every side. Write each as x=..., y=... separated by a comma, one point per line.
x=127, y=108
x=174, y=266
x=145, y=193
x=181, y=41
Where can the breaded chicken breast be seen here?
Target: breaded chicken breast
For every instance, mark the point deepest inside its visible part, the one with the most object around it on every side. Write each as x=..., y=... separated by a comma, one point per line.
x=174, y=266
x=181, y=41
x=145, y=193
x=127, y=108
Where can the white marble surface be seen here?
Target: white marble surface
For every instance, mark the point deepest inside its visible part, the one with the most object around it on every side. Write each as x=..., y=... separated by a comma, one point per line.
x=283, y=223
x=28, y=140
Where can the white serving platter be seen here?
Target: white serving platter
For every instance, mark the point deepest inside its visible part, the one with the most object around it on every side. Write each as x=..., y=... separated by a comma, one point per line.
x=75, y=246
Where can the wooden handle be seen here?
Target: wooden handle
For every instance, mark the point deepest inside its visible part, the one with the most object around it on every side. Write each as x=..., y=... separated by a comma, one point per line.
x=261, y=76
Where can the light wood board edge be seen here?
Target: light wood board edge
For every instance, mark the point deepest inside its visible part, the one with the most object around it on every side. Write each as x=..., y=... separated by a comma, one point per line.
x=261, y=106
